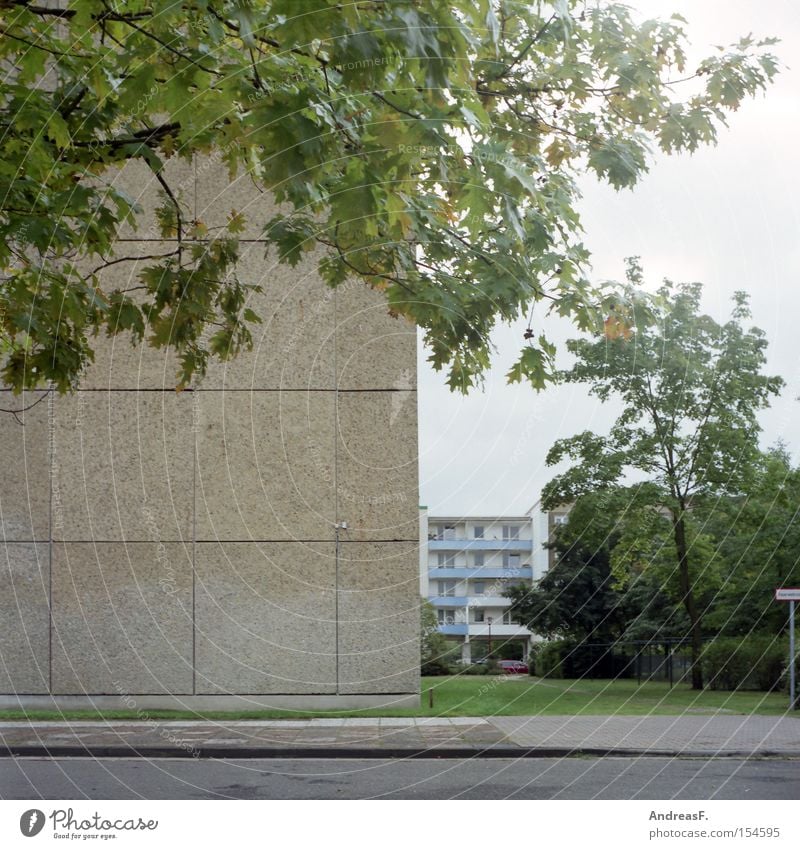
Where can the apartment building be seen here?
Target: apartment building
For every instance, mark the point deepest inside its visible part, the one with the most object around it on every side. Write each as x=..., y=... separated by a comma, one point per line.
x=466, y=565
x=545, y=523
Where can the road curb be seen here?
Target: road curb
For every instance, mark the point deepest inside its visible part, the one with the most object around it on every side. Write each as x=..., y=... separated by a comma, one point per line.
x=370, y=753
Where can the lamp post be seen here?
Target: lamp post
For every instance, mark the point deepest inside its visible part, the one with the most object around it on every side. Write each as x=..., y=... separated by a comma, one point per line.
x=489, y=622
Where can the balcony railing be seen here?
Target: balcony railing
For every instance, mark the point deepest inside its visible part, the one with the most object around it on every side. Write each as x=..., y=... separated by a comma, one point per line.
x=480, y=545
x=488, y=601
x=481, y=573
x=454, y=628
x=448, y=600
x=499, y=629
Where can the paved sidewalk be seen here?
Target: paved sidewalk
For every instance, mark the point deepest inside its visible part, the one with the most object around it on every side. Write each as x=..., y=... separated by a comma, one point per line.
x=674, y=735
x=508, y=736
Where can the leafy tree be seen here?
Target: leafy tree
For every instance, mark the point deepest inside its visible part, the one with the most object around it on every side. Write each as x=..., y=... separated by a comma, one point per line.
x=432, y=148
x=690, y=390
x=758, y=539
x=584, y=597
x=649, y=610
x=576, y=598
x=436, y=652
x=644, y=565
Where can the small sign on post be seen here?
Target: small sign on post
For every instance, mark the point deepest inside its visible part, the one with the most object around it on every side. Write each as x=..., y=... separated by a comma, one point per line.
x=790, y=594
x=787, y=594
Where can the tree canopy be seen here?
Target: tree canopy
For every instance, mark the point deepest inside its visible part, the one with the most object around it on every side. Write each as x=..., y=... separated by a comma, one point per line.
x=582, y=598
x=757, y=538
x=576, y=598
x=614, y=581
x=432, y=149
x=690, y=389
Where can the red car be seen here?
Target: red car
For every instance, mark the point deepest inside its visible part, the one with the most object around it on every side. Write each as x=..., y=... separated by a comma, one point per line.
x=513, y=667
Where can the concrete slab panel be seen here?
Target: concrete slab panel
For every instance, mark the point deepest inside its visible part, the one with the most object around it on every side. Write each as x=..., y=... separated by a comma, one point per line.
x=122, y=618
x=218, y=197
x=377, y=460
x=265, y=618
x=373, y=350
x=138, y=180
x=379, y=617
x=265, y=466
x=118, y=363
x=25, y=490
x=123, y=466
x=24, y=618
x=293, y=346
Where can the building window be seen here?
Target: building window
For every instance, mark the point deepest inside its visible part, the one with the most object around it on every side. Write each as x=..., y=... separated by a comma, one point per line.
x=478, y=531
x=445, y=561
x=510, y=532
x=478, y=558
x=478, y=615
x=447, y=588
x=507, y=620
x=449, y=532
x=511, y=560
x=446, y=617
x=479, y=587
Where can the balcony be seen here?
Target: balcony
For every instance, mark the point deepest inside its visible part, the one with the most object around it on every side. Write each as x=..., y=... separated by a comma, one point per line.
x=449, y=600
x=459, y=629
x=481, y=573
x=499, y=630
x=488, y=601
x=480, y=545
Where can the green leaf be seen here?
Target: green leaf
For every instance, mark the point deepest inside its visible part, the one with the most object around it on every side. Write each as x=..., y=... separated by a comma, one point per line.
x=533, y=366
x=620, y=161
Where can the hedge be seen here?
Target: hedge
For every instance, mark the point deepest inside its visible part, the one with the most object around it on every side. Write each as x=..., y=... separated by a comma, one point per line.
x=756, y=662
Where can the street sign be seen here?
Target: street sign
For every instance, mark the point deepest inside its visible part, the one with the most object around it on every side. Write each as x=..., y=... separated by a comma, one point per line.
x=792, y=595
x=787, y=594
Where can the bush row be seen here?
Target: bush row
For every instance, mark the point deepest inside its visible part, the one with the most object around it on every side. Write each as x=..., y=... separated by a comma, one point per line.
x=756, y=662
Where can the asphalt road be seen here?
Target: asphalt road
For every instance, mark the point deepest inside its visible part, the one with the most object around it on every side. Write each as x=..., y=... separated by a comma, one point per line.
x=566, y=778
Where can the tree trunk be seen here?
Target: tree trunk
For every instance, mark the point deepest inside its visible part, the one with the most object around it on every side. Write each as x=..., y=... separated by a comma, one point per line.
x=687, y=596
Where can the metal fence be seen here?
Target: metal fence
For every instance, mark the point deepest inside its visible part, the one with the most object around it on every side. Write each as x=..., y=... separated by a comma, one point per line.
x=666, y=659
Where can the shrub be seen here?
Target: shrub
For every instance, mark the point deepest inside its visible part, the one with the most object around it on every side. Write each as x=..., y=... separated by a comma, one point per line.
x=724, y=664
x=492, y=667
x=771, y=662
x=534, y=662
x=436, y=666
x=755, y=662
x=549, y=659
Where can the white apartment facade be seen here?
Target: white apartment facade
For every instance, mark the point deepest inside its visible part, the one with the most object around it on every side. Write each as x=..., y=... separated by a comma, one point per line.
x=545, y=523
x=466, y=566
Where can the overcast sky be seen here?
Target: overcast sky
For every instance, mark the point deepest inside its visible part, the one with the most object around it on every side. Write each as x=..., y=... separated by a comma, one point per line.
x=726, y=216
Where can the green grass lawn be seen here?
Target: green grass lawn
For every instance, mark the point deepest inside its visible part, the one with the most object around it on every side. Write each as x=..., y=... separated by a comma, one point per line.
x=473, y=695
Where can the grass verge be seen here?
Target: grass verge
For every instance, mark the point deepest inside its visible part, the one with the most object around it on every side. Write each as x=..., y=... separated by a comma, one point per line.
x=492, y=696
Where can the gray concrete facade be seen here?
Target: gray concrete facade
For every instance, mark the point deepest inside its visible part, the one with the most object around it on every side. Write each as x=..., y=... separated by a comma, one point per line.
x=185, y=546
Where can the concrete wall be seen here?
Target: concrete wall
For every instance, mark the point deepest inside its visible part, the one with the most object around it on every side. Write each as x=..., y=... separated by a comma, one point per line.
x=163, y=545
